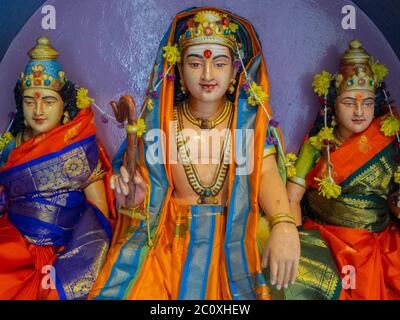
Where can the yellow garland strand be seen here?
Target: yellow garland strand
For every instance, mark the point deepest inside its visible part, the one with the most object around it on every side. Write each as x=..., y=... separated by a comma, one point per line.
x=290, y=161
x=397, y=175
x=380, y=71
x=324, y=134
x=150, y=104
x=256, y=93
x=322, y=83
x=172, y=54
x=390, y=126
x=139, y=128
x=328, y=188
x=5, y=139
x=82, y=98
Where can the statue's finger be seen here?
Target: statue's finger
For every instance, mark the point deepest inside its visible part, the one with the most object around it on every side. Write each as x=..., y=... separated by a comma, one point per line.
x=124, y=174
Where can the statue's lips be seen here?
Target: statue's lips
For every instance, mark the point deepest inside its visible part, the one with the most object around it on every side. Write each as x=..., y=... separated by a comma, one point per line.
x=208, y=87
x=358, y=121
x=39, y=120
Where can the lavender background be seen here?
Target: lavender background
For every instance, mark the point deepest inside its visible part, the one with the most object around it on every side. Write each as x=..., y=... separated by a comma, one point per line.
x=109, y=47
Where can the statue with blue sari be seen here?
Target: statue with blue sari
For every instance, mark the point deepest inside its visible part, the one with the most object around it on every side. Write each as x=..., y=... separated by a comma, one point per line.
x=210, y=217
x=57, y=209
x=348, y=174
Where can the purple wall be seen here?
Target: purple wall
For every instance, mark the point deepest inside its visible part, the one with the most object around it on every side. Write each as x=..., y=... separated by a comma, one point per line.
x=109, y=47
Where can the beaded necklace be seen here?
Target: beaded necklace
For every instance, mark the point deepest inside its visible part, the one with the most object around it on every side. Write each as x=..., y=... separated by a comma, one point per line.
x=207, y=193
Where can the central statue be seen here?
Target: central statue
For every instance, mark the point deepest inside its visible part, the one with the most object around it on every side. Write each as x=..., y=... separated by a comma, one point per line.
x=198, y=226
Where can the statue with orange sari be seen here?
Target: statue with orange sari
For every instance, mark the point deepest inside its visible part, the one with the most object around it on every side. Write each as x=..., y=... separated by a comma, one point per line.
x=348, y=173
x=209, y=183
x=56, y=204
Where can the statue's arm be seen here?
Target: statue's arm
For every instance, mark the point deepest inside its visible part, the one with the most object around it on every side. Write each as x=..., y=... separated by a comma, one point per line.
x=282, y=250
x=96, y=194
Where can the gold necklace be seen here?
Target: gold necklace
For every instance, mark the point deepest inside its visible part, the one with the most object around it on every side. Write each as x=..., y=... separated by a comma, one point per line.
x=206, y=123
x=207, y=193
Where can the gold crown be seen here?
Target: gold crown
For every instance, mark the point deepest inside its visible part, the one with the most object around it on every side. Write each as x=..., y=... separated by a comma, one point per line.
x=43, y=71
x=355, y=70
x=209, y=27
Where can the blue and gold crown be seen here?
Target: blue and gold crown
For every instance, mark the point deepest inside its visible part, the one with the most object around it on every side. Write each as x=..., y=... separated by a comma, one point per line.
x=209, y=27
x=43, y=71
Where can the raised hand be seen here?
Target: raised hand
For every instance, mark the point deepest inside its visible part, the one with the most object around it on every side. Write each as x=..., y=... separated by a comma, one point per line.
x=119, y=183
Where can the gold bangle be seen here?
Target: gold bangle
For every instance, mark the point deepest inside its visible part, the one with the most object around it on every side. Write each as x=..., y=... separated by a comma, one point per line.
x=134, y=213
x=131, y=128
x=282, y=217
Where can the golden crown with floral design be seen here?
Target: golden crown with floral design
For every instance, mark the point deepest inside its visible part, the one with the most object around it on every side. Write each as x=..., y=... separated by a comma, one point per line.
x=43, y=71
x=358, y=71
x=209, y=27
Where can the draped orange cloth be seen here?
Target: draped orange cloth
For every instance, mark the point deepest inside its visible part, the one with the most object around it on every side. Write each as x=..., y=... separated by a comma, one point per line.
x=21, y=266
x=374, y=256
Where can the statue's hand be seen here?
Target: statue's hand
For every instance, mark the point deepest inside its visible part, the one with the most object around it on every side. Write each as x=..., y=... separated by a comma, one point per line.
x=282, y=254
x=119, y=183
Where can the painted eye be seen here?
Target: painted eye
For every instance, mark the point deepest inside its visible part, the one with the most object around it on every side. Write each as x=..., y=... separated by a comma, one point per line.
x=195, y=65
x=220, y=65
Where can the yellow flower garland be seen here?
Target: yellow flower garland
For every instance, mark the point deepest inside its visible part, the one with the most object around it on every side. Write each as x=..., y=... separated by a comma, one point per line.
x=324, y=134
x=397, y=175
x=390, y=126
x=82, y=98
x=328, y=188
x=5, y=139
x=322, y=83
x=172, y=54
x=380, y=71
x=256, y=94
x=150, y=104
x=138, y=128
x=290, y=161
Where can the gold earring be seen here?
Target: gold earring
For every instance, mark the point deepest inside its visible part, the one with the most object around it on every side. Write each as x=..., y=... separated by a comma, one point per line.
x=183, y=88
x=333, y=122
x=232, y=86
x=66, y=118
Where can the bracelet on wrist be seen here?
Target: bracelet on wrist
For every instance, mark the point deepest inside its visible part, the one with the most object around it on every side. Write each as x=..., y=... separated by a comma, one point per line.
x=282, y=217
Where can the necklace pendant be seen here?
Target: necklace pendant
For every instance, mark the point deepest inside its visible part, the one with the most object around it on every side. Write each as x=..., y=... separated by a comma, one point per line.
x=207, y=200
x=205, y=124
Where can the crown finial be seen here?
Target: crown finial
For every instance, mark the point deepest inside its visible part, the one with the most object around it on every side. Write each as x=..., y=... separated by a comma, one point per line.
x=355, y=54
x=43, y=50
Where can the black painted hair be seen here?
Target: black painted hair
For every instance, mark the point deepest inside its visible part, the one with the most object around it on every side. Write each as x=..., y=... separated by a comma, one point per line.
x=68, y=95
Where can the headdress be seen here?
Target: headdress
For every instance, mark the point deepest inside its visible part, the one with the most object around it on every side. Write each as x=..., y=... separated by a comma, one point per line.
x=356, y=72
x=43, y=71
x=209, y=27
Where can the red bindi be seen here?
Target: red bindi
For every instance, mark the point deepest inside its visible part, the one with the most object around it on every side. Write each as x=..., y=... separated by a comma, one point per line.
x=359, y=97
x=37, y=95
x=207, y=54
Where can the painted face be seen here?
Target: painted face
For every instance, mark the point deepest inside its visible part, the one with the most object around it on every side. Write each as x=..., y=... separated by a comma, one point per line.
x=355, y=111
x=43, y=109
x=207, y=71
